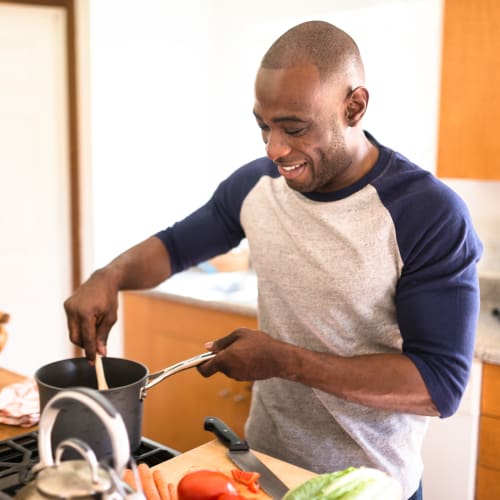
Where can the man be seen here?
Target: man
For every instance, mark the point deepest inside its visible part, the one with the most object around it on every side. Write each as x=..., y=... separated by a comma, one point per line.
x=366, y=265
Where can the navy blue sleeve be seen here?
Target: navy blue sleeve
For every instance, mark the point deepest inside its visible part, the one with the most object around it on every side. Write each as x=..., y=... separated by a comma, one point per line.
x=437, y=296
x=214, y=228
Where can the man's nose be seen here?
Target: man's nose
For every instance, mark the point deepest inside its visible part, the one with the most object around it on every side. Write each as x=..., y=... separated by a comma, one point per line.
x=276, y=146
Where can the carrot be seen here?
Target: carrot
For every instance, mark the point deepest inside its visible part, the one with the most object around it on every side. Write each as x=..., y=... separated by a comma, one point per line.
x=164, y=489
x=129, y=478
x=173, y=491
x=147, y=482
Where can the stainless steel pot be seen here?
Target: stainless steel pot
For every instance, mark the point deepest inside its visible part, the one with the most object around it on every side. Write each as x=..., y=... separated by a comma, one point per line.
x=128, y=383
x=84, y=478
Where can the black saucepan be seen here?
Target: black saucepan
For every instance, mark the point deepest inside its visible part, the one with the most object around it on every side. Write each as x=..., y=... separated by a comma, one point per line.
x=128, y=383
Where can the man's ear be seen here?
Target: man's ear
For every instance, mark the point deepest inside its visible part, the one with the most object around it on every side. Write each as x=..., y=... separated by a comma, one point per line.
x=356, y=104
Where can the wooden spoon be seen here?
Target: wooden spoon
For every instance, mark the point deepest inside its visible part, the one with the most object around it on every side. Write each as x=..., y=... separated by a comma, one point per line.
x=102, y=385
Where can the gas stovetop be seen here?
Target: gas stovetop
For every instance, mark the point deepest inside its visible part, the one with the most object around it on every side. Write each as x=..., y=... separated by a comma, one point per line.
x=19, y=454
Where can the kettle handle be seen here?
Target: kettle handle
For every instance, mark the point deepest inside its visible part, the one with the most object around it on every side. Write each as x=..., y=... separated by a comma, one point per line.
x=102, y=407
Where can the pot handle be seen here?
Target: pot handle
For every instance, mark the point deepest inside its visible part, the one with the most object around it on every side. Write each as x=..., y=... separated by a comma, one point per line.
x=102, y=407
x=157, y=377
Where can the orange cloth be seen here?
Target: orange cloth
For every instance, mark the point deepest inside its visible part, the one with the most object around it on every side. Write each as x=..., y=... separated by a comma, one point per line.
x=19, y=404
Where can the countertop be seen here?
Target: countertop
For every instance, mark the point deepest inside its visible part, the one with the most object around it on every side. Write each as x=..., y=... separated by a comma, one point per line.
x=231, y=291
x=237, y=292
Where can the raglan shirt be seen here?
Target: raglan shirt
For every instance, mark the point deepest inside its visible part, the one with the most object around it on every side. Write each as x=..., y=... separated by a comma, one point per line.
x=386, y=265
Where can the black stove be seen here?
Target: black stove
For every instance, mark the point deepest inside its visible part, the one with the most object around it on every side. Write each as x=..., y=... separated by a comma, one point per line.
x=19, y=454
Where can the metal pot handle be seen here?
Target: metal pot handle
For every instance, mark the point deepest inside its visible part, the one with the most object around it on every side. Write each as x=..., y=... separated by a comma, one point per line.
x=102, y=407
x=157, y=377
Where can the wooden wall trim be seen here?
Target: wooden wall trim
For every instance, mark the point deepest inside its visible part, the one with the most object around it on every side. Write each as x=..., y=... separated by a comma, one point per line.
x=76, y=246
x=40, y=3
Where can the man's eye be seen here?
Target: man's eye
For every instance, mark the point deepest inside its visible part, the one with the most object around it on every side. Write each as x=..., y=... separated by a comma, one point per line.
x=295, y=131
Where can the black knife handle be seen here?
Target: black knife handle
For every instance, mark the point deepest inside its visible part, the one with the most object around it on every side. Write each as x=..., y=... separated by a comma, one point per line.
x=226, y=435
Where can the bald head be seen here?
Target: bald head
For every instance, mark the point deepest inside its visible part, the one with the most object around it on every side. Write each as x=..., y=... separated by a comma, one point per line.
x=330, y=49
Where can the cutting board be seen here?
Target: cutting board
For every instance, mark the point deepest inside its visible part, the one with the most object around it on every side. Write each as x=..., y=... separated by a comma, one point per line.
x=213, y=456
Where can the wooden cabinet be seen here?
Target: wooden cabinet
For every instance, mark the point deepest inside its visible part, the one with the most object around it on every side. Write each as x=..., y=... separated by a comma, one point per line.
x=159, y=332
x=488, y=470
x=469, y=122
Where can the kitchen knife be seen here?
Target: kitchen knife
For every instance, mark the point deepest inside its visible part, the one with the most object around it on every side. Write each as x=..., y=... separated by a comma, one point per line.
x=239, y=453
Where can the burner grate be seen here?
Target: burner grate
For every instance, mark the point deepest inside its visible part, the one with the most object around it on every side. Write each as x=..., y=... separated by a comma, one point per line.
x=19, y=454
x=152, y=453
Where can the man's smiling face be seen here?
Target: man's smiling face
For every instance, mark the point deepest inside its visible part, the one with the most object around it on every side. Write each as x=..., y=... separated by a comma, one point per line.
x=302, y=120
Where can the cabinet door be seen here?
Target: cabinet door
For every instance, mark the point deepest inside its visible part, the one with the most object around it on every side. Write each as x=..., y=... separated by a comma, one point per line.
x=490, y=399
x=488, y=470
x=159, y=333
x=489, y=442
x=469, y=123
x=488, y=483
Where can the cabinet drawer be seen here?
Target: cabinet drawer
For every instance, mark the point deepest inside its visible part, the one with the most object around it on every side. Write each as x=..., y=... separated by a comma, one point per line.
x=490, y=404
x=488, y=484
x=194, y=322
x=489, y=442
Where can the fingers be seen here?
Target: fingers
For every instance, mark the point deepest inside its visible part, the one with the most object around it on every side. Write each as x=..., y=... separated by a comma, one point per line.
x=208, y=368
x=89, y=330
x=212, y=366
x=224, y=342
x=74, y=330
x=101, y=336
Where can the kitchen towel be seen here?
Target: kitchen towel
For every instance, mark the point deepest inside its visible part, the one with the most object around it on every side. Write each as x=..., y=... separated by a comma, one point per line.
x=19, y=404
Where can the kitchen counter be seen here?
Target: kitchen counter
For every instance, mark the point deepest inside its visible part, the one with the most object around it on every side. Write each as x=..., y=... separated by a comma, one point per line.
x=213, y=456
x=234, y=292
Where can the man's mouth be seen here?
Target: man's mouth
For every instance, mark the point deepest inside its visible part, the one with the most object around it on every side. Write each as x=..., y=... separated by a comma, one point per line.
x=291, y=171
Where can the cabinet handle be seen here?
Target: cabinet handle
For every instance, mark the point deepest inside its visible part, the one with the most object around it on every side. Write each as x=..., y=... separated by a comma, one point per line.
x=238, y=398
x=224, y=393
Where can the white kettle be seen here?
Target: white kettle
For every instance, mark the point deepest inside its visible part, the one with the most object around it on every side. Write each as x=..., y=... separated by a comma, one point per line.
x=83, y=478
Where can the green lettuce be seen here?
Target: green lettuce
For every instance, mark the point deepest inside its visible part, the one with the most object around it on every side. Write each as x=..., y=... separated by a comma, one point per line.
x=362, y=483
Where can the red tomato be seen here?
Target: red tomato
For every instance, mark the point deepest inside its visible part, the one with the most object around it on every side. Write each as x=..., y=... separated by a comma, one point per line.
x=228, y=496
x=205, y=485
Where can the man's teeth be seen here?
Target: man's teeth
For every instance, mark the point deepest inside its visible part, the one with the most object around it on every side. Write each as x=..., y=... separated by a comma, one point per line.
x=293, y=167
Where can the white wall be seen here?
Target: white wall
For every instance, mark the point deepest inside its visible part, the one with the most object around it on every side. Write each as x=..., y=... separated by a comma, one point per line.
x=483, y=200
x=172, y=94
x=35, y=263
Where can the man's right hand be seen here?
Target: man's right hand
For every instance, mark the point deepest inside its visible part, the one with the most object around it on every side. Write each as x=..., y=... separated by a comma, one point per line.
x=91, y=312
x=93, y=308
